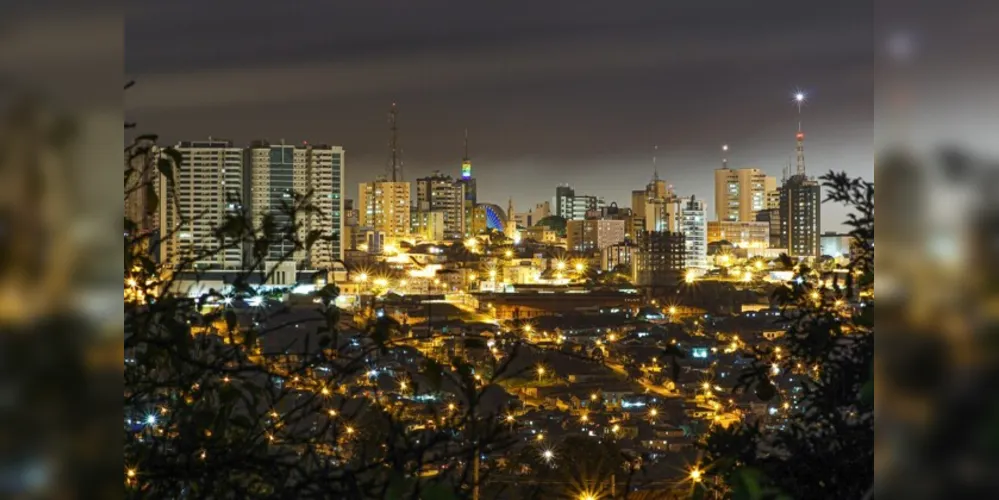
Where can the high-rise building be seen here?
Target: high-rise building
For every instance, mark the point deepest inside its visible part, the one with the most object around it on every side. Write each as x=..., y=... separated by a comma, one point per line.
x=693, y=224
x=591, y=235
x=428, y=225
x=740, y=193
x=210, y=187
x=563, y=201
x=773, y=199
x=283, y=176
x=740, y=234
x=142, y=190
x=440, y=193
x=771, y=217
x=468, y=185
x=660, y=259
x=384, y=206
x=800, y=216
x=570, y=205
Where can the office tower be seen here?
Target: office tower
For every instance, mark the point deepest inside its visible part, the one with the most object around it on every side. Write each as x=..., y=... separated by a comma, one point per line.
x=693, y=224
x=773, y=199
x=740, y=193
x=468, y=185
x=586, y=236
x=570, y=205
x=771, y=217
x=740, y=234
x=660, y=259
x=440, y=193
x=428, y=225
x=801, y=204
x=563, y=201
x=800, y=216
x=209, y=188
x=384, y=206
x=311, y=175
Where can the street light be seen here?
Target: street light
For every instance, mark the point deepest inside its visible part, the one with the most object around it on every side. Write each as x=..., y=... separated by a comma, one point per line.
x=696, y=475
x=580, y=267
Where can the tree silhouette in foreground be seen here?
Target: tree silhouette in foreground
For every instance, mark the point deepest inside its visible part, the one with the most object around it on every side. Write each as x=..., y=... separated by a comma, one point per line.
x=818, y=377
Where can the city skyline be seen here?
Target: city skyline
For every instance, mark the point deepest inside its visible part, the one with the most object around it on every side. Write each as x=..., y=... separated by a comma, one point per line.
x=537, y=113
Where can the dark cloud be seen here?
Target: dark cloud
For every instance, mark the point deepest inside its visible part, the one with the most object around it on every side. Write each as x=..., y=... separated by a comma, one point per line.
x=551, y=92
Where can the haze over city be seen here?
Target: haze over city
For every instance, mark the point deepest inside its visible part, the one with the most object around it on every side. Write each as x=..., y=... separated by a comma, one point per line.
x=578, y=96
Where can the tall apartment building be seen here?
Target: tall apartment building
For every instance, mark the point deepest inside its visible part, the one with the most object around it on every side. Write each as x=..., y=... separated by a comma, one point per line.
x=142, y=190
x=384, y=206
x=468, y=184
x=773, y=199
x=211, y=186
x=800, y=216
x=562, y=202
x=590, y=235
x=428, y=225
x=660, y=259
x=693, y=224
x=283, y=175
x=771, y=217
x=569, y=205
x=440, y=193
x=740, y=193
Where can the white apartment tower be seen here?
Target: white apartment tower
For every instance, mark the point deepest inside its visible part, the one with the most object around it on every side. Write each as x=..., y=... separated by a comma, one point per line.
x=693, y=223
x=440, y=193
x=208, y=187
x=284, y=176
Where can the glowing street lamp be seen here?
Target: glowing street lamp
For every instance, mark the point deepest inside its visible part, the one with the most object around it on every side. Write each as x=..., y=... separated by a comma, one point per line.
x=560, y=265
x=690, y=277
x=580, y=267
x=696, y=475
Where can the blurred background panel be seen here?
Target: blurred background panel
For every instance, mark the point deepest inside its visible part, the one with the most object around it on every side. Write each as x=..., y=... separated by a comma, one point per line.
x=60, y=257
x=937, y=173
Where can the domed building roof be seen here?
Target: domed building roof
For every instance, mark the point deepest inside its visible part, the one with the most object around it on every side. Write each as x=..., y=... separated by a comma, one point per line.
x=495, y=216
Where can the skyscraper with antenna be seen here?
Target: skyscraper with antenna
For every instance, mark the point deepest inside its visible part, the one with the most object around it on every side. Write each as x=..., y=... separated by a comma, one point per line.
x=800, y=203
x=656, y=189
x=467, y=184
x=799, y=99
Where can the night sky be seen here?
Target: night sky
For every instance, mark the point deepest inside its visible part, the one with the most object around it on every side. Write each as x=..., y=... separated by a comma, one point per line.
x=551, y=92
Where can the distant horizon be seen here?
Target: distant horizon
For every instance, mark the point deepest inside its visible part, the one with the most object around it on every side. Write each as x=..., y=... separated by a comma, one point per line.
x=579, y=96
